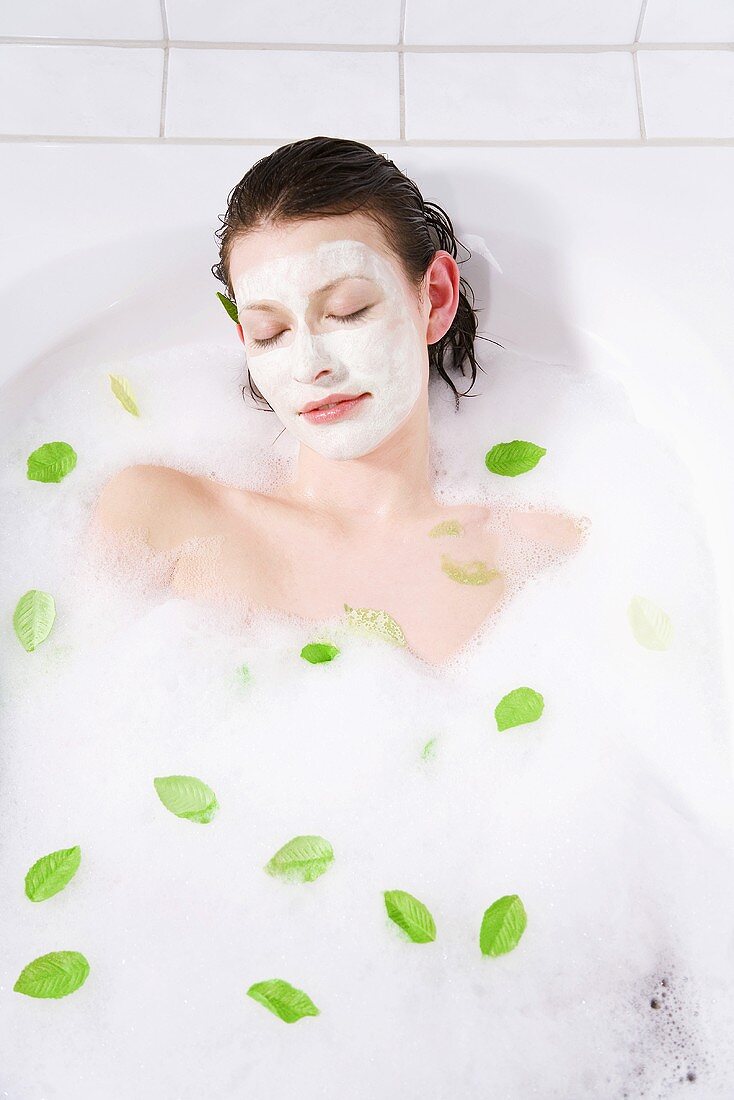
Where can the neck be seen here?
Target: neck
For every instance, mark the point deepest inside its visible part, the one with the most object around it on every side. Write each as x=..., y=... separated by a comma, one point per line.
x=390, y=484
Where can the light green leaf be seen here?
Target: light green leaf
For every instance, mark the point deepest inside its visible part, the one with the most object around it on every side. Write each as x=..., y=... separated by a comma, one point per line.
x=468, y=572
x=244, y=674
x=411, y=915
x=511, y=459
x=429, y=749
x=502, y=926
x=51, y=462
x=123, y=392
x=187, y=797
x=319, y=652
x=33, y=618
x=302, y=859
x=446, y=527
x=229, y=305
x=51, y=873
x=283, y=999
x=54, y=975
x=368, y=620
x=650, y=624
x=518, y=707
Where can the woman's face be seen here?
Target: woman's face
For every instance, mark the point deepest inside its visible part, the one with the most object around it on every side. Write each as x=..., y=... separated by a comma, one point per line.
x=324, y=310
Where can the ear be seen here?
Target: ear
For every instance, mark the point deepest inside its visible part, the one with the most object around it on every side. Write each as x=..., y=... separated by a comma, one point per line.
x=442, y=289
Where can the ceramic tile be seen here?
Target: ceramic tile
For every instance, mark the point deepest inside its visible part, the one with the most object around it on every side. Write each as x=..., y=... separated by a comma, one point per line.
x=520, y=96
x=101, y=91
x=498, y=22
x=308, y=21
x=282, y=94
x=688, y=21
x=82, y=19
x=688, y=93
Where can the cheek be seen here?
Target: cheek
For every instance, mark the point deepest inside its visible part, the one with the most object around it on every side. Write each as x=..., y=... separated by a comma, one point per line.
x=271, y=371
x=374, y=347
x=403, y=323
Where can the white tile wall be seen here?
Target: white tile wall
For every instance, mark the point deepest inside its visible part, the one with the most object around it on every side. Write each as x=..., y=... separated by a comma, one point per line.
x=89, y=91
x=387, y=71
x=534, y=22
x=276, y=93
x=134, y=19
x=688, y=92
x=311, y=21
x=688, y=21
x=520, y=96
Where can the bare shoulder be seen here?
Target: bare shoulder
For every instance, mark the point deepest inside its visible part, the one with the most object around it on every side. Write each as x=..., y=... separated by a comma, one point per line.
x=157, y=503
x=558, y=530
x=555, y=530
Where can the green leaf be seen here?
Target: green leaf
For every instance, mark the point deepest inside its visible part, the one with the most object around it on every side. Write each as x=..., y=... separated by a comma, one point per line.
x=447, y=527
x=468, y=572
x=244, y=674
x=33, y=618
x=54, y=975
x=429, y=749
x=411, y=915
x=283, y=999
x=187, y=797
x=51, y=462
x=51, y=873
x=510, y=459
x=650, y=625
x=369, y=620
x=319, y=652
x=302, y=859
x=502, y=925
x=229, y=305
x=123, y=392
x=518, y=707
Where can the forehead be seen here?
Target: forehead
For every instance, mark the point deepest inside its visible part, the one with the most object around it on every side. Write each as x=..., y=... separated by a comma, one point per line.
x=300, y=274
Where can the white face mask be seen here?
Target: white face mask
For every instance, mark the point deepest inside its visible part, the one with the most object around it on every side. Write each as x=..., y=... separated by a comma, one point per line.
x=381, y=351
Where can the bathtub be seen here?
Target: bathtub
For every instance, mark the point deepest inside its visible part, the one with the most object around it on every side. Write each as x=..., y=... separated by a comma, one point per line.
x=613, y=258
x=596, y=258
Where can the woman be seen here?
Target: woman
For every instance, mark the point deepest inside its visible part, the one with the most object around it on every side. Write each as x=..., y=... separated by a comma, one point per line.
x=346, y=285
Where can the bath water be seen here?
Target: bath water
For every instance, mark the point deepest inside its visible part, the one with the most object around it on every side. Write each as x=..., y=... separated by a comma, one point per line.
x=609, y=816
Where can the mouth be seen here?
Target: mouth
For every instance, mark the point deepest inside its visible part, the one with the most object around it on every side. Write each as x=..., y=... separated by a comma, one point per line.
x=332, y=408
x=335, y=399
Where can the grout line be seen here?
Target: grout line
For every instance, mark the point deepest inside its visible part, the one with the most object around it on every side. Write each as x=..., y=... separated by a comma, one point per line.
x=636, y=70
x=351, y=47
x=638, y=93
x=164, y=82
x=401, y=67
x=641, y=21
x=422, y=143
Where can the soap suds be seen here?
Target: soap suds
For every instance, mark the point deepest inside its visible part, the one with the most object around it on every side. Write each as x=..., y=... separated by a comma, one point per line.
x=611, y=816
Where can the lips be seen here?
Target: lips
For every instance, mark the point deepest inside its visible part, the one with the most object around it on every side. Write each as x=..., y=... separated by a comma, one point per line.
x=333, y=399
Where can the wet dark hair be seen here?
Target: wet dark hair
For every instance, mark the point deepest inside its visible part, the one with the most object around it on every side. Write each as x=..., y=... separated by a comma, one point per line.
x=324, y=176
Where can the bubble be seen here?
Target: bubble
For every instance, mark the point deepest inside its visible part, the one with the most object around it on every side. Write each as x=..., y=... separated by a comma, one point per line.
x=605, y=816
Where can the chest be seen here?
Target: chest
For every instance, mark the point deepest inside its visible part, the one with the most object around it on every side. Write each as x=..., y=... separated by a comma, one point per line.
x=440, y=589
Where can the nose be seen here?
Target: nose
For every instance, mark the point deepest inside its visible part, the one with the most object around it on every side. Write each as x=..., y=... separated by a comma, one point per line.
x=310, y=359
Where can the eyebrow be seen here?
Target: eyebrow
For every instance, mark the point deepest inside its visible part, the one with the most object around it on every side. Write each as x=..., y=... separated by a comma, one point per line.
x=267, y=308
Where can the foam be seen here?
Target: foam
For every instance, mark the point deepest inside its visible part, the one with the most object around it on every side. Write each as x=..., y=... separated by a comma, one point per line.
x=611, y=817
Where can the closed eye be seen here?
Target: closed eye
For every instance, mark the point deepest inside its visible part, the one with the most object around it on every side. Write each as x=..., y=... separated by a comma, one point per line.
x=266, y=343
x=349, y=317
x=346, y=319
